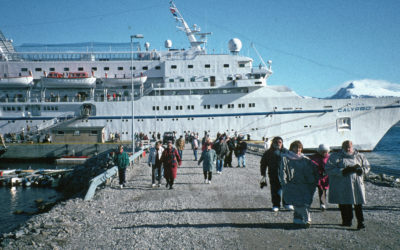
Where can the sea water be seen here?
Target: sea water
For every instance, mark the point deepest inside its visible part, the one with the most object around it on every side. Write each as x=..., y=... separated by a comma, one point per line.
x=384, y=159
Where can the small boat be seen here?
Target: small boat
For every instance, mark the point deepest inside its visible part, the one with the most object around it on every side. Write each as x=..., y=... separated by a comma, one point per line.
x=123, y=81
x=68, y=80
x=16, y=81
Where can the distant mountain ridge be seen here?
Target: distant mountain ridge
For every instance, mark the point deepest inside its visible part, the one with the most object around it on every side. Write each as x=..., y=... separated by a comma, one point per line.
x=367, y=88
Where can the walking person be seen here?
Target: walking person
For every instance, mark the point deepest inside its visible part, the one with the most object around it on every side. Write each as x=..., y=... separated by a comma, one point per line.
x=221, y=149
x=240, y=152
x=346, y=171
x=231, y=147
x=320, y=159
x=180, y=145
x=209, y=158
x=271, y=160
x=170, y=159
x=298, y=177
x=195, y=146
x=155, y=163
x=121, y=159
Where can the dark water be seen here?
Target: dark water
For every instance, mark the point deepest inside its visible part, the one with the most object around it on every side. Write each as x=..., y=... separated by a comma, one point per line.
x=22, y=198
x=384, y=159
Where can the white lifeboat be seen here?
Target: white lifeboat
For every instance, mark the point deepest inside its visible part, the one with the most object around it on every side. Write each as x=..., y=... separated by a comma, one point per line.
x=16, y=82
x=69, y=80
x=123, y=81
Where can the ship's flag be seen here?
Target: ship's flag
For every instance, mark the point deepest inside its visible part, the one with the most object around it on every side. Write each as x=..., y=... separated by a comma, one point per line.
x=173, y=11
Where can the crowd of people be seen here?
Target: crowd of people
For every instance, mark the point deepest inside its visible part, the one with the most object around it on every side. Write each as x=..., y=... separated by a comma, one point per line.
x=293, y=176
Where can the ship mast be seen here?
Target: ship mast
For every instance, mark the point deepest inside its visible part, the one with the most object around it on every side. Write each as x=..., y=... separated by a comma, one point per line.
x=190, y=33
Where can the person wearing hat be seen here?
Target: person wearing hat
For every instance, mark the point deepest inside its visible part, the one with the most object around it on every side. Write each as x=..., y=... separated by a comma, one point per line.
x=121, y=159
x=320, y=159
x=240, y=152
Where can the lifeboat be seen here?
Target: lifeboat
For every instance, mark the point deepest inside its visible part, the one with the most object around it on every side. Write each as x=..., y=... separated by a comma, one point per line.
x=122, y=81
x=69, y=80
x=16, y=81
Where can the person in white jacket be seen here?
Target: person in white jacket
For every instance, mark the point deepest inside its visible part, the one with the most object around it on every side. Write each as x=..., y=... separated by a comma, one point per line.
x=346, y=182
x=155, y=163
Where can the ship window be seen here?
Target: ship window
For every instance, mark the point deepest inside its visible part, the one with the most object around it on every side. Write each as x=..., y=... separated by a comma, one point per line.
x=80, y=69
x=154, y=107
x=193, y=79
x=181, y=80
x=171, y=80
x=226, y=65
x=61, y=133
x=343, y=124
x=229, y=78
x=24, y=69
x=76, y=133
x=134, y=68
x=241, y=65
x=19, y=108
x=8, y=108
x=38, y=69
x=120, y=68
x=173, y=66
x=220, y=106
x=177, y=107
x=93, y=132
x=145, y=68
x=94, y=68
x=158, y=67
x=106, y=68
x=205, y=79
x=190, y=66
x=52, y=69
x=216, y=106
x=207, y=66
x=13, y=108
x=66, y=69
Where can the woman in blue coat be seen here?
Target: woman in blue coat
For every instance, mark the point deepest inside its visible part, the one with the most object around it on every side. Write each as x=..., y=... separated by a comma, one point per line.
x=209, y=158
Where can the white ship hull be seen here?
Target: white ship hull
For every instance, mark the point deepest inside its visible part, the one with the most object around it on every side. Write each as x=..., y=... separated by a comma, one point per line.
x=183, y=91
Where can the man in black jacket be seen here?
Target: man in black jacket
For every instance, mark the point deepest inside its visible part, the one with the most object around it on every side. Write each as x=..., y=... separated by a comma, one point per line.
x=271, y=160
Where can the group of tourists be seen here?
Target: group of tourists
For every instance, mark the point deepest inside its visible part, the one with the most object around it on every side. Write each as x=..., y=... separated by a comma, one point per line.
x=293, y=179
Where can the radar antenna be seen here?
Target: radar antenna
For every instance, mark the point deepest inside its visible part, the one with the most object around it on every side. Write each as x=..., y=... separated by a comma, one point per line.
x=190, y=33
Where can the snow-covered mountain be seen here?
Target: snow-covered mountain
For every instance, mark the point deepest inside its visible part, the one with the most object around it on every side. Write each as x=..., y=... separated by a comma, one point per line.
x=367, y=88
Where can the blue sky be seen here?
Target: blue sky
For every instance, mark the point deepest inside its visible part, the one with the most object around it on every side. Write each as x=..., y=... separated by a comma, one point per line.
x=315, y=45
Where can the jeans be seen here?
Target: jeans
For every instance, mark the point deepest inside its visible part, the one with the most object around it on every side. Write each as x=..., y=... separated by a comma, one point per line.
x=220, y=165
x=301, y=214
x=242, y=158
x=180, y=153
x=195, y=154
x=156, y=174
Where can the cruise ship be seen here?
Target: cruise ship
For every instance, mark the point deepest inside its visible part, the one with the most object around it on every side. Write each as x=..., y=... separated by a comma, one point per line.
x=137, y=90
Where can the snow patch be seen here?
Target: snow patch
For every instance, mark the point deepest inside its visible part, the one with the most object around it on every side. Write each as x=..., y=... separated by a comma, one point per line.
x=367, y=88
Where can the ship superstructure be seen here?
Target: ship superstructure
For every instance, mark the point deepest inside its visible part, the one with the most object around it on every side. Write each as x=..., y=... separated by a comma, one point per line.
x=175, y=90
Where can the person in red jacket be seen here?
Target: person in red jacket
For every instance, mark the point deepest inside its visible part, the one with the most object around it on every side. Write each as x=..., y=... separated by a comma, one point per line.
x=170, y=159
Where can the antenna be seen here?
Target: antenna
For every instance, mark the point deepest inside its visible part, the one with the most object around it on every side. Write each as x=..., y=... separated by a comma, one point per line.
x=258, y=54
x=190, y=33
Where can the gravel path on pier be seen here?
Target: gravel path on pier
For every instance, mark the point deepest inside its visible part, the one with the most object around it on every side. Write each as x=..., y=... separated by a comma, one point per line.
x=231, y=213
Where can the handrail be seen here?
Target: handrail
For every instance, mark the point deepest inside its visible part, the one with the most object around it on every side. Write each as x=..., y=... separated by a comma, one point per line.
x=101, y=178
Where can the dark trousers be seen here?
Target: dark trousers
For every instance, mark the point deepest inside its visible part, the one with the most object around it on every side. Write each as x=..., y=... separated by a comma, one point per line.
x=156, y=169
x=170, y=182
x=121, y=175
x=275, y=191
x=180, y=153
x=322, y=196
x=346, y=210
x=207, y=175
x=228, y=159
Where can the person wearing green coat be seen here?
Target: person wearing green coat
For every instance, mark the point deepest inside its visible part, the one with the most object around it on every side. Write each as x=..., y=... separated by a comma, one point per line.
x=121, y=160
x=209, y=158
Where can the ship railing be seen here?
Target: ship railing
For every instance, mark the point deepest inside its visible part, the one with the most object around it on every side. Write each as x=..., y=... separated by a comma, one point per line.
x=102, y=178
x=82, y=56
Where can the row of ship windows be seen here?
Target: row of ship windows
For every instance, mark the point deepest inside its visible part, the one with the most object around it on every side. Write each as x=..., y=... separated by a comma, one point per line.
x=19, y=108
x=177, y=119
x=190, y=66
x=216, y=106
